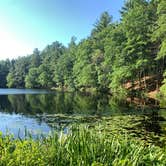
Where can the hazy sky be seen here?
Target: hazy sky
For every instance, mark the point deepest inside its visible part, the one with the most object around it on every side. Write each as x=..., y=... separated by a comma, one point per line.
x=29, y=24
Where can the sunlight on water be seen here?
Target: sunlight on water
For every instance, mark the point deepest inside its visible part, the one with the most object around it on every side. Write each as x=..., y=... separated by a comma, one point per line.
x=40, y=111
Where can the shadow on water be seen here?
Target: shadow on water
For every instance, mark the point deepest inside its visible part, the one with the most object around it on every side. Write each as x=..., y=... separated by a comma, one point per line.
x=60, y=103
x=59, y=110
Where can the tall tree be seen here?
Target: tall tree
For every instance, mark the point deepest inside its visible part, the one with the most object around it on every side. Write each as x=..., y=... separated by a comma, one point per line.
x=17, y=74
x=35, y=58
x=4, y=69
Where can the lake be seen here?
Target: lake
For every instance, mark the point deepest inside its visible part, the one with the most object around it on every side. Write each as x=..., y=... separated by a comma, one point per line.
x=41, y=111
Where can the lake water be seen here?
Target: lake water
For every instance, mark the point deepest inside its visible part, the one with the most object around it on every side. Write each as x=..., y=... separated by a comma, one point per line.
x=40, y=111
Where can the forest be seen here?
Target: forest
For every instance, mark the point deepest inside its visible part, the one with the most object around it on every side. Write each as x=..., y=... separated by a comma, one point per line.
x=119, y=57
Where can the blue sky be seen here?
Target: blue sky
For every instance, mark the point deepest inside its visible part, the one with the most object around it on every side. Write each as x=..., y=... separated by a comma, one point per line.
x=29, y=24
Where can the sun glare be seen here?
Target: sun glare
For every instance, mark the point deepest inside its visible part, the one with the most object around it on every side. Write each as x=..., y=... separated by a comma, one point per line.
x=11, y=47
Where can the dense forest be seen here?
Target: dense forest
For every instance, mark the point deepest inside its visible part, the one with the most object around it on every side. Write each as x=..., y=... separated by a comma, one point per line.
x=117, y=57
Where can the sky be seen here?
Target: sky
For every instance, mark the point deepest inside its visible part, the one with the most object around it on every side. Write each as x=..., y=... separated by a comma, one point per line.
x=29, y=24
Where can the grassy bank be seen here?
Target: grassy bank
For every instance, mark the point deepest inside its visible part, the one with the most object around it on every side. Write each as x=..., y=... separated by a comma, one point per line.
x=83, y=146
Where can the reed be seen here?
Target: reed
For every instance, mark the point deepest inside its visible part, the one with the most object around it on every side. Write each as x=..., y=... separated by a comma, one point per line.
x=82, y=146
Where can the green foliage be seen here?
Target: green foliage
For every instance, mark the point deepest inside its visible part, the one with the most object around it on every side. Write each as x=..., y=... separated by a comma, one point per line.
x=159, y=34
x=118, y=78
x=114, y=54
x=4, y=70
x=163, y=87
x=102, y=23
x=18, y=72
x=31, y=80
x=35, y=58
x=10, y=80
x=82, y=146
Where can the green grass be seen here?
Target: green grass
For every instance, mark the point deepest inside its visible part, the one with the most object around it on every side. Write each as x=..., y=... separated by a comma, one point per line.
x=82, y=147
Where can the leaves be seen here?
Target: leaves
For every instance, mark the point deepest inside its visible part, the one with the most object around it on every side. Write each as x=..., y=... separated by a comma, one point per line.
x=112, y=55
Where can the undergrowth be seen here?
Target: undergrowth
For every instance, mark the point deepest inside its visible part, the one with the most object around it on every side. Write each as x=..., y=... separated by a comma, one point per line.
x=82, y=146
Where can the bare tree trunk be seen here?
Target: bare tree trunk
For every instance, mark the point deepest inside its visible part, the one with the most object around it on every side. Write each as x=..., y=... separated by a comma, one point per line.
x=140, y=80
x=144, y=79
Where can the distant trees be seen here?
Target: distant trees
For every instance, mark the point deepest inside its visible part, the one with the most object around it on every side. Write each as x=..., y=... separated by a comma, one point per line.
x=35, y=60
x=114, y=54
x=31, y=79
x=18, y=71
x=4, y=70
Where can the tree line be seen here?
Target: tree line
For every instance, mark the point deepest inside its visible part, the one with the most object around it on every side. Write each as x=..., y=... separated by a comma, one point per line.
x=114, y=54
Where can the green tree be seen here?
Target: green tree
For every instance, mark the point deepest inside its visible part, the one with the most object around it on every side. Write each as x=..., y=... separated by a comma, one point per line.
x=18, y=71
x=4, y=69
x=35, y=58
x=159, y=35
x=102, y=23
x=31, y=80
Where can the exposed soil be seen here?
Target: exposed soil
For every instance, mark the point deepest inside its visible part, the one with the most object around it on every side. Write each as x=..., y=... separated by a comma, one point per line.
x=148, y=84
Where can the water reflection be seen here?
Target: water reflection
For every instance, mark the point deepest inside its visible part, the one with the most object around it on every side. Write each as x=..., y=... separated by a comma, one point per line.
x=64, y=103
x=37, y=111
x=60, y=103
x=19, y=125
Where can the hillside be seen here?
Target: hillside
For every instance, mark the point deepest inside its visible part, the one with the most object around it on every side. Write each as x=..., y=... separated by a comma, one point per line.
x=115, y=57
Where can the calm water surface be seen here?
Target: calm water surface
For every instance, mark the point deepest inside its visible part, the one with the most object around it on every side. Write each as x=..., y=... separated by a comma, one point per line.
x=28, y=109
x=22, y=91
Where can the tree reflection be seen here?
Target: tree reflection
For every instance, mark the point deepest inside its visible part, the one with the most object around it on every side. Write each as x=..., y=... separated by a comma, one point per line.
x=41, y=106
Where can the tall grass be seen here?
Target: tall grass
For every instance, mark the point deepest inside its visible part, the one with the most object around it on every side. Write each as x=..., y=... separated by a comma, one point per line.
x=81, y=147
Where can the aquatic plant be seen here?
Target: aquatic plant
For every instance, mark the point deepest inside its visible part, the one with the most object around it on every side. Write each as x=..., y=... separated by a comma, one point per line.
x=82, y=146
